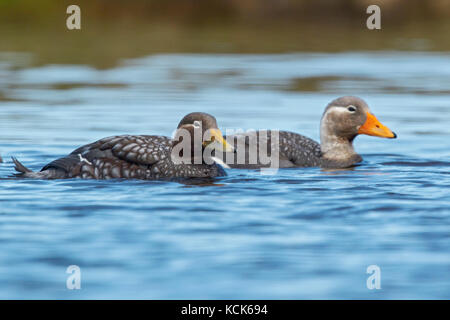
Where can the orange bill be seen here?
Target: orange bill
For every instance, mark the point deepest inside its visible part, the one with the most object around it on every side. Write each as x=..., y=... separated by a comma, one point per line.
x=373, y=127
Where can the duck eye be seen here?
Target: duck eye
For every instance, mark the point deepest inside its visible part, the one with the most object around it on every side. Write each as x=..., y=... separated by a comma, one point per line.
x=351, y=109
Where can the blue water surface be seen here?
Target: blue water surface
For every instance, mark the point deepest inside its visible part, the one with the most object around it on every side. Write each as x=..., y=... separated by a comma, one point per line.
x=296, y=234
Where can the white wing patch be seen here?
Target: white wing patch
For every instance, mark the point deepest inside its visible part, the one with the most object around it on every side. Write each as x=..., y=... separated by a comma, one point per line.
x=84, y=159
x=220, y=162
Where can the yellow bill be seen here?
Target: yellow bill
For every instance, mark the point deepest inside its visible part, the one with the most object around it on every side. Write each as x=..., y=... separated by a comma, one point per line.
x=215, y=136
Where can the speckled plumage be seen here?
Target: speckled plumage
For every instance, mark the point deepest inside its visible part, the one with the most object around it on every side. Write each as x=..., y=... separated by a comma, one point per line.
x=128, y=157
x=295, y=150
x=341, y=122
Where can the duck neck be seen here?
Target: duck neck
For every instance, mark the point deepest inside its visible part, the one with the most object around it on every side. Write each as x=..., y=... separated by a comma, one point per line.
x=337, y=148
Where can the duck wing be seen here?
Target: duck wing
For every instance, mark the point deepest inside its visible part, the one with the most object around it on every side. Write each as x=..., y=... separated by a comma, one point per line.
x=294, y=150
x=300, y=150
x=144, y=150
x=112, y=157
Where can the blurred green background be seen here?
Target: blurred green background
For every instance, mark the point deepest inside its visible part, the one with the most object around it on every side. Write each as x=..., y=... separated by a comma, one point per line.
x=114, y=29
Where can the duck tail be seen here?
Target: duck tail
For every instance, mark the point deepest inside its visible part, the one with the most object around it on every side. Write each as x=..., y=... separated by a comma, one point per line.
x=23, y=171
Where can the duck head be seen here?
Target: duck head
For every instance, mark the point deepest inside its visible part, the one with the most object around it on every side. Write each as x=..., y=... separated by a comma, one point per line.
x=202, y=131
x=346, y=117
x=343, y=119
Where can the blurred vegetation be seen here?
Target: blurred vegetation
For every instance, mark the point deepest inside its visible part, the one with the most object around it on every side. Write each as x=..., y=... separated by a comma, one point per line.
x=116, y=29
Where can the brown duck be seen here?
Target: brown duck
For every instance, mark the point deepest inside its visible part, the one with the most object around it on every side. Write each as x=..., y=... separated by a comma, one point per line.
x=342, y=121
x=138, y=156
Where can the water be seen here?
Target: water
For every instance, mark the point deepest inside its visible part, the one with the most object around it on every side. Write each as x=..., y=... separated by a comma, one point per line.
x=301, y=233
